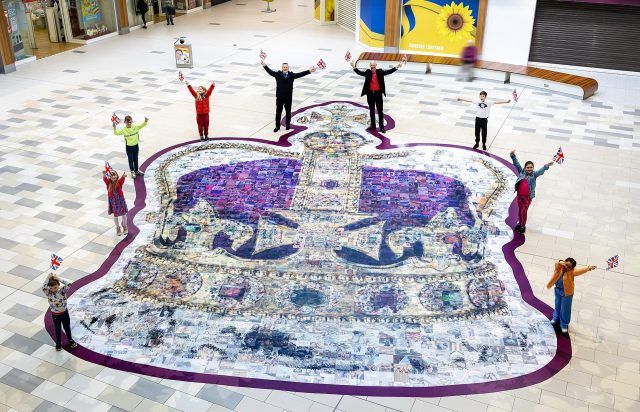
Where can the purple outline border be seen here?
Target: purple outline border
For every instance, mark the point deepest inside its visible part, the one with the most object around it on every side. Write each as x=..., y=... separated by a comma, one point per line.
x=557, y=363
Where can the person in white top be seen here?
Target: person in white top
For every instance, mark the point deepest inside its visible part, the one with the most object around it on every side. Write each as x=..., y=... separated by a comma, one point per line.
x=483, y=108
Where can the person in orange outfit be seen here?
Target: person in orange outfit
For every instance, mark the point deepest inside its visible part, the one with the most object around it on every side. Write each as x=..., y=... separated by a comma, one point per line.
x=202, y=96
x=563, y=276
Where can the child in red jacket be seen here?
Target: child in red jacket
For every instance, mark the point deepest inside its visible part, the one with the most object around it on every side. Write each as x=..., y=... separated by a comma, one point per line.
x=117, y=203
x=202, y=108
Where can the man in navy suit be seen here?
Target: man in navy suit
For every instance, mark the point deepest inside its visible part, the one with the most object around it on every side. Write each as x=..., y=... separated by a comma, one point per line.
x=374, y=89
x=284, y=90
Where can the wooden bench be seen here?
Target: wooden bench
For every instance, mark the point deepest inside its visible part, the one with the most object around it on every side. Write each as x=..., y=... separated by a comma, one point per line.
x=582, y=87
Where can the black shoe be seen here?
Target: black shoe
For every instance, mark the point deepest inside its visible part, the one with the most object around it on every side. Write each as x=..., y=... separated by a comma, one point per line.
x=202, y=138
x=517, y=228
x=73, y=344
x=167, y=24
x=522, y=230
x=276, y=130
x=556, y=326
x=484, y=147
x=475, y=146
x=58, y=347
x=144, y=27
x=139, y=173
x=206, y=138
x=172, y=24
x=382, y=130
x=287, y=127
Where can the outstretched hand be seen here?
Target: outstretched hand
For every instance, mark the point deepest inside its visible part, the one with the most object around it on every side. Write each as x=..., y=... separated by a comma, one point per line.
x=187, y=83
x=262, y=62
x=146, y=119
x=549, y=164
x=513, y=152
x=352, y=64
x=591, y=267
x=312, y=69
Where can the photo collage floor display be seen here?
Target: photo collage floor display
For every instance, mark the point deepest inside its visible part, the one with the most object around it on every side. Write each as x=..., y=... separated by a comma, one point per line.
x=323, y=260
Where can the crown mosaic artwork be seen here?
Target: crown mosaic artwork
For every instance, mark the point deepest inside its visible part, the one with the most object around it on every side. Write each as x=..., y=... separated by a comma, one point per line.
x=325, y=261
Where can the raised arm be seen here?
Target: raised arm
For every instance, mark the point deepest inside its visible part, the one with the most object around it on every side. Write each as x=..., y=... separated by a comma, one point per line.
x=556, y=276
x=268, y=70
x=210, y=90
x=301, y=74
x=391, y=70
x=583, y=270
x=45, y=285
x=462, y=99
x=543, y=169
x=193, y=92
x=117, y=132
x=143, y=124
x=515, y=161
x=502, y=101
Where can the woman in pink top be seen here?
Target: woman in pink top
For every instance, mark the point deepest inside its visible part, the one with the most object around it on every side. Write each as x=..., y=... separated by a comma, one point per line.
x=526, y=188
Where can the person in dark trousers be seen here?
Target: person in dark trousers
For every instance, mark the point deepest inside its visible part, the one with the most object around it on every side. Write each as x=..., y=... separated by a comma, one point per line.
x=143, y=8
x=169, y=11
x=483, y=108
x=284, y=90
x=374, y=88
x=131, y=135
x=55, y=289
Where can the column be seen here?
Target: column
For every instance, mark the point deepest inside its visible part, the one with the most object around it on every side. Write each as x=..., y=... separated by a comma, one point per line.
x=7, y=60
x=123, y=17
x=392, y=26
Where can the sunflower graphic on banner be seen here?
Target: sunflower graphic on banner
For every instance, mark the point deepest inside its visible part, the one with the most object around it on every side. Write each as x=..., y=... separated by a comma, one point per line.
x=438, y=26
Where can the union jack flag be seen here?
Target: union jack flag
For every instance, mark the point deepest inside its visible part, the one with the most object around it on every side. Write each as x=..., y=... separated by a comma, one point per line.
x=404, y=58
x=55, y=261
x=180, y=76
x=612, y=262
x=115, y=119
x=263, y=55
x=559, y=157
x=107, y=169
x=322, y=64
x=515, y=95
x=347, y=56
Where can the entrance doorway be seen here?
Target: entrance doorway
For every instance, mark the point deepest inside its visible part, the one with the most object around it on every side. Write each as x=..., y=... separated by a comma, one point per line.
x=37, y=27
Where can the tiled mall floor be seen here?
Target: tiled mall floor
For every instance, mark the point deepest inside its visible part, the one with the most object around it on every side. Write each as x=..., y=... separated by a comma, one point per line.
x=55, y=134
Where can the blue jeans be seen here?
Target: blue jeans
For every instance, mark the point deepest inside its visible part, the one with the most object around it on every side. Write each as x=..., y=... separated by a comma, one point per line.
x=562, y=310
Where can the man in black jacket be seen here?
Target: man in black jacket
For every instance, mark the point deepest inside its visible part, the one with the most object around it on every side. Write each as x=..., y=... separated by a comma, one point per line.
x=374, y=89
x=284, y=90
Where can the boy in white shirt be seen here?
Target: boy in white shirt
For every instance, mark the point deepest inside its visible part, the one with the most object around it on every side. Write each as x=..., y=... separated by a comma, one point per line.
x=483, y=109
